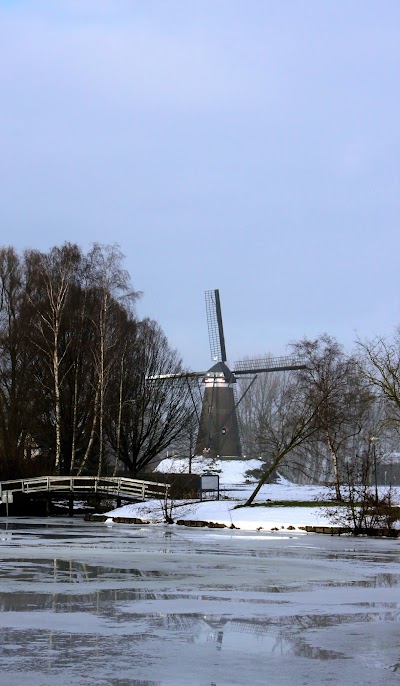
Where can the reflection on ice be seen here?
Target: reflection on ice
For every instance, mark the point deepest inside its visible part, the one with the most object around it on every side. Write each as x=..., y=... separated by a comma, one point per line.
x=162, y=607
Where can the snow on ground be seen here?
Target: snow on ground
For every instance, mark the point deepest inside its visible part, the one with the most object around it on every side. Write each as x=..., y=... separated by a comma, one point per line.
x=224, y=512
x=235, y=488
x=230, y=471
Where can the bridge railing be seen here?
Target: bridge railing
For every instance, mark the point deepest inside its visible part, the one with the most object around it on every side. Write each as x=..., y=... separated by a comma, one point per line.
x=117, y=486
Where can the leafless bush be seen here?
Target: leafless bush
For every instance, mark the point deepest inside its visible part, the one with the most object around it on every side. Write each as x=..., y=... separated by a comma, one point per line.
x=363, y=508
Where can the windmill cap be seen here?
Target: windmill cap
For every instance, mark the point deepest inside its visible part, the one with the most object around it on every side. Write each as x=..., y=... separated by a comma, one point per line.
x=220, y=370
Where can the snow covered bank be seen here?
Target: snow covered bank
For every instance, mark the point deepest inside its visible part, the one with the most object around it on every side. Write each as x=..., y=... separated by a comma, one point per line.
x=235, y=489
x=224, y=512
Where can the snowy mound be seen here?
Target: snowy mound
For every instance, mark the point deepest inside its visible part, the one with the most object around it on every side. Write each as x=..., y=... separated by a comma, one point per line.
x=230, y=471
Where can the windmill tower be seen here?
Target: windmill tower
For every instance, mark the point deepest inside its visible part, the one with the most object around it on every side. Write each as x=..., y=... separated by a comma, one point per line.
x=218, y=434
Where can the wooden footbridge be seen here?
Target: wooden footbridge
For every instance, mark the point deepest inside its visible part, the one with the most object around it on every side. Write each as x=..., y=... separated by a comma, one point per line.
x=78, y=487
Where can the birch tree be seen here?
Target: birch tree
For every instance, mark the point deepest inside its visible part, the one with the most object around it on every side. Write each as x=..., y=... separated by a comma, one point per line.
x=112, y=284
x=49, y=279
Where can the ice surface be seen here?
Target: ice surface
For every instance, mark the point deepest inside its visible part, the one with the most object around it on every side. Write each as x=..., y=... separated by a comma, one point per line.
x=87, y=603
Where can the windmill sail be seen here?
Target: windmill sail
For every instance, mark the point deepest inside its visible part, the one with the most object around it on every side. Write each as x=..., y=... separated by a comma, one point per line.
x=269, y=364
x=215, y=328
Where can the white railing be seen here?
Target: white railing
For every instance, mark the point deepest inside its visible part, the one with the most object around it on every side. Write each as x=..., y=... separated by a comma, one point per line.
x=117, y=486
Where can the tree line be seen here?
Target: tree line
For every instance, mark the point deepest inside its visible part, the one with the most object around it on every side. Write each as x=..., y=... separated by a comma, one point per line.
x=331, y=421
x=74, y=358
x=75, y=396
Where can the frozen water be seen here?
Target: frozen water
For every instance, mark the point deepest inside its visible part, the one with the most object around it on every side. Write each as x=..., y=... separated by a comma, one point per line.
x=87, y=603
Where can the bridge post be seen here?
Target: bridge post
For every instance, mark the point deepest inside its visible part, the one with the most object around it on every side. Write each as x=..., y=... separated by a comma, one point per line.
x=71, y=505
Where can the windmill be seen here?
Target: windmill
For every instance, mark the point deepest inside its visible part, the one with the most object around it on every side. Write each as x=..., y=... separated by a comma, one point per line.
x=218, y=433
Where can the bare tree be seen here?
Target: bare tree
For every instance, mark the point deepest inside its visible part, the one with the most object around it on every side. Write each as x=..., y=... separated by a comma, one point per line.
x=153, y=415
x=290, y=420
x=340, y=394
x=113, y=284
x=49, y=279
x=256, y=399
x=16, y=392
x=379, y=363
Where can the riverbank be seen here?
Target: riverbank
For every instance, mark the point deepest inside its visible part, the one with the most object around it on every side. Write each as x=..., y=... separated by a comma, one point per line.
x=226, y=512
x=283, y=505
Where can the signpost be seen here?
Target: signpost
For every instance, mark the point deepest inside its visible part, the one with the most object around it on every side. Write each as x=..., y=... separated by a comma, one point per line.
x=7, y=497
x=209, y=482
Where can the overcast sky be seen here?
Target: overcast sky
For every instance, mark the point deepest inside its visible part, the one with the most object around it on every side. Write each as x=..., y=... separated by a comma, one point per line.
x=245, y=145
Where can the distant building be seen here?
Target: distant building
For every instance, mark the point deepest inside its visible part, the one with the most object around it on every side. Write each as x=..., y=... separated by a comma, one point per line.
x=388, y=469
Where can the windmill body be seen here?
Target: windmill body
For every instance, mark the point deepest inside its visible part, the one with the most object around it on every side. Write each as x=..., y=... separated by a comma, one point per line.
x=218, y=434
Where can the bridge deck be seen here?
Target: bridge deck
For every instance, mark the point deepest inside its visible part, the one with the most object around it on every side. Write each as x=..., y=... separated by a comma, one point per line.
x=123, y=487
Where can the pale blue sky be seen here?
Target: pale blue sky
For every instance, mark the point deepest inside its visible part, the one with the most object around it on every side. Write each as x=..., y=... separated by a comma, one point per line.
x=250, y=146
